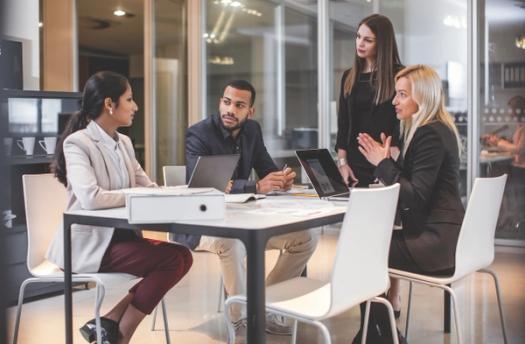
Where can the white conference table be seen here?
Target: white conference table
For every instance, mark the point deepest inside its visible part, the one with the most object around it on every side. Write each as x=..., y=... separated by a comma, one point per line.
x=253, y=223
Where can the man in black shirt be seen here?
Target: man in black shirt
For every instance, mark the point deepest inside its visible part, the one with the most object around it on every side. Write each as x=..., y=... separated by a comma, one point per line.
x=230, y=131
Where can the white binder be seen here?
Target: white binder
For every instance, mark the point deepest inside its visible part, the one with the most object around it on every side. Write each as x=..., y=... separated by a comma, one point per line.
x=164, y=205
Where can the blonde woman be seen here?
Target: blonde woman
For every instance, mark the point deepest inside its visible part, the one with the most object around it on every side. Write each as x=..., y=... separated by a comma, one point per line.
x=428, y=171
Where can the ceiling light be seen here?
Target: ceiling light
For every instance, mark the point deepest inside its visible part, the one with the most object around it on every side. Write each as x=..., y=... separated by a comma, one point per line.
x=119, y=13
x=520, y=42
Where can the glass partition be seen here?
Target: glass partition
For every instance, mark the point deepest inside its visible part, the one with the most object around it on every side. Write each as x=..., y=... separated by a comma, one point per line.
x=170, y=66
x=501, y=104
x=272, y=44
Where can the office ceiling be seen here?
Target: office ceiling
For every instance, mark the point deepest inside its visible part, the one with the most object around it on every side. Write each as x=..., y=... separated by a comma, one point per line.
x=100, y=30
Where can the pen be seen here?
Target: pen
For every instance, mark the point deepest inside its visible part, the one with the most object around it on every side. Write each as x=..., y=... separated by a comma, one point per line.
x=285, y=167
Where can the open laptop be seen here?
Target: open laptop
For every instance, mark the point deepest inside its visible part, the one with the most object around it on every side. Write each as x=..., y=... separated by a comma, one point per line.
x=213, y=171
x=324, y=174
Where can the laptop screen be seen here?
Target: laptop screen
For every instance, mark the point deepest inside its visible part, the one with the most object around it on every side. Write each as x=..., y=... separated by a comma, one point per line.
x=213, y=171
x=322, y=171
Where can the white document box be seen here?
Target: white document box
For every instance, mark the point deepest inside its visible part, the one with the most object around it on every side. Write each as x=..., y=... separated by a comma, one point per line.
x=163, y=205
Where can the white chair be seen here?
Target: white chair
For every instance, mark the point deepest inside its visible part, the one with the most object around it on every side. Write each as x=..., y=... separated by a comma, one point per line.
x=475, y=247
x=174, y=175
x=45, y=201
x=359, y=274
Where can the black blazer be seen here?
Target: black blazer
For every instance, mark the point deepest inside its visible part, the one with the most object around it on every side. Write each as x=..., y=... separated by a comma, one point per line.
x=208, y=137
x=344, y=116
x=429, y=202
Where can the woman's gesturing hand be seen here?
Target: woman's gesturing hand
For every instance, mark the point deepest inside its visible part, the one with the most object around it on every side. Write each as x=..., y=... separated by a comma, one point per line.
x=374, y=151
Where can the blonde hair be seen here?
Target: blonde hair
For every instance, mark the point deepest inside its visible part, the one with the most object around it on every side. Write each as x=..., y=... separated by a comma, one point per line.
x=428, y=95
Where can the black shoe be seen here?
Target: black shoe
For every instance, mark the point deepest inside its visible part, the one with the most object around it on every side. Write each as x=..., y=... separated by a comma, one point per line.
x=373, y=337
x=400, y=338
x=109, y=330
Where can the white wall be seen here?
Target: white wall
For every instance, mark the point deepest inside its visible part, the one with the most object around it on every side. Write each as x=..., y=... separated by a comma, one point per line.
x=21, y=24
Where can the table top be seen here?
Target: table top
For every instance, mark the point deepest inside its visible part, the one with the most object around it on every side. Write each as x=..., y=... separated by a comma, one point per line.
x=273, y=211
x=487, y=157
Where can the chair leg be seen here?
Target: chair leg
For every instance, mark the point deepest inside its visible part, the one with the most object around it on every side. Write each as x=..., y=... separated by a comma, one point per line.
x=165, y=316
x=229, y=324
x=409, y=306
x=500, y=301
x=391, y=317
x=222, y=296
x=21, y=294
x=324, y=331
x=364, y=333
x=99, y=297
x=456, y=310
x=154, y=318
x=294, y=332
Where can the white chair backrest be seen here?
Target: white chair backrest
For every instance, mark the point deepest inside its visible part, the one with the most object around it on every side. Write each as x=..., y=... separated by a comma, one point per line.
x=475, y=247
x=174, y=175
x=360, y=269
x=45, y=201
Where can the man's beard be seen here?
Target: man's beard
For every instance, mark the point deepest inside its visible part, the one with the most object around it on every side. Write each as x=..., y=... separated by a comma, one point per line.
x=239, y=124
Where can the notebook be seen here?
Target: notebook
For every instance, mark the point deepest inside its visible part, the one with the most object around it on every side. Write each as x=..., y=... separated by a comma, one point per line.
x=323, y=173
x=213, y=171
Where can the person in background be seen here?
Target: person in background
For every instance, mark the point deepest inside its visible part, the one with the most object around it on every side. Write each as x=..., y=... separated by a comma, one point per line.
x=516, y=145
x=429, y=200
x=95, y=163
x=233, y=131
x=514, y=201
x=365, y=104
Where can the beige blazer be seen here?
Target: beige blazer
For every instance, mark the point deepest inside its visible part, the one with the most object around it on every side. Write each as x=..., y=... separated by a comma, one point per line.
x=92, y=180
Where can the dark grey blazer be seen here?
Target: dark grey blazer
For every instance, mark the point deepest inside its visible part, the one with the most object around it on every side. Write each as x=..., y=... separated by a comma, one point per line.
x=429, y=202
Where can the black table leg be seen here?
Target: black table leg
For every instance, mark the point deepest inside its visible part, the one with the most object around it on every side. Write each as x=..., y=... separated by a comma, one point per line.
x=256, y=294
x=67, y=283
x=446, y=314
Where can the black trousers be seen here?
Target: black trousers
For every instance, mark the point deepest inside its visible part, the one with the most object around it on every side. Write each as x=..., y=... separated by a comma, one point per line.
x=379, y=331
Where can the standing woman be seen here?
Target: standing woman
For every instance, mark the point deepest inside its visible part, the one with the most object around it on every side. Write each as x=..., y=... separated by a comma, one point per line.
x=429, y=200
x=365, y=102
x=95, y=163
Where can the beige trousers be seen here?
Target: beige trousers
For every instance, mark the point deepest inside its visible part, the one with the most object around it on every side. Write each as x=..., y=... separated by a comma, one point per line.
x=296, y=248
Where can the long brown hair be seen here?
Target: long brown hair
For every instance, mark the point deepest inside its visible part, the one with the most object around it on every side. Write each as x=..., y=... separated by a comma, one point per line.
x=387, y=58
x=98, y=87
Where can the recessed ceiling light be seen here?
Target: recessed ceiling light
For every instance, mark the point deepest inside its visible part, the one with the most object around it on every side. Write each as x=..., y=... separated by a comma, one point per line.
x=119, y=13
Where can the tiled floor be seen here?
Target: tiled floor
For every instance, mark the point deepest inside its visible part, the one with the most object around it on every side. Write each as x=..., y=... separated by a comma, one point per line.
x=193, y=318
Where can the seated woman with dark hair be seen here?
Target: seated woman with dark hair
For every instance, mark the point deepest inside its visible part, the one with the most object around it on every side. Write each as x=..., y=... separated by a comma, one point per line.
x=428, y=172
x=94, y=162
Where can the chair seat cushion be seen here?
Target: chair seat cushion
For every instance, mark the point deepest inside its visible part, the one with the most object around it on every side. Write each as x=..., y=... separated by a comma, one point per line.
x=46, y=269
x=424, y=278
x=300, y=296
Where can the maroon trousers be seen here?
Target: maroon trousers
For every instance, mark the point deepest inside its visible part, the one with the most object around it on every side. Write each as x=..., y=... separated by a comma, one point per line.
x=160, y=264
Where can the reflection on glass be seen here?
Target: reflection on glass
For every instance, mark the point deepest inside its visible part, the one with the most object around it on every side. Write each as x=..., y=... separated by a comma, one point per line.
x=274, y=47
x=23, y=115
x=171, y=81
x=502, y=109
x=50, y=110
